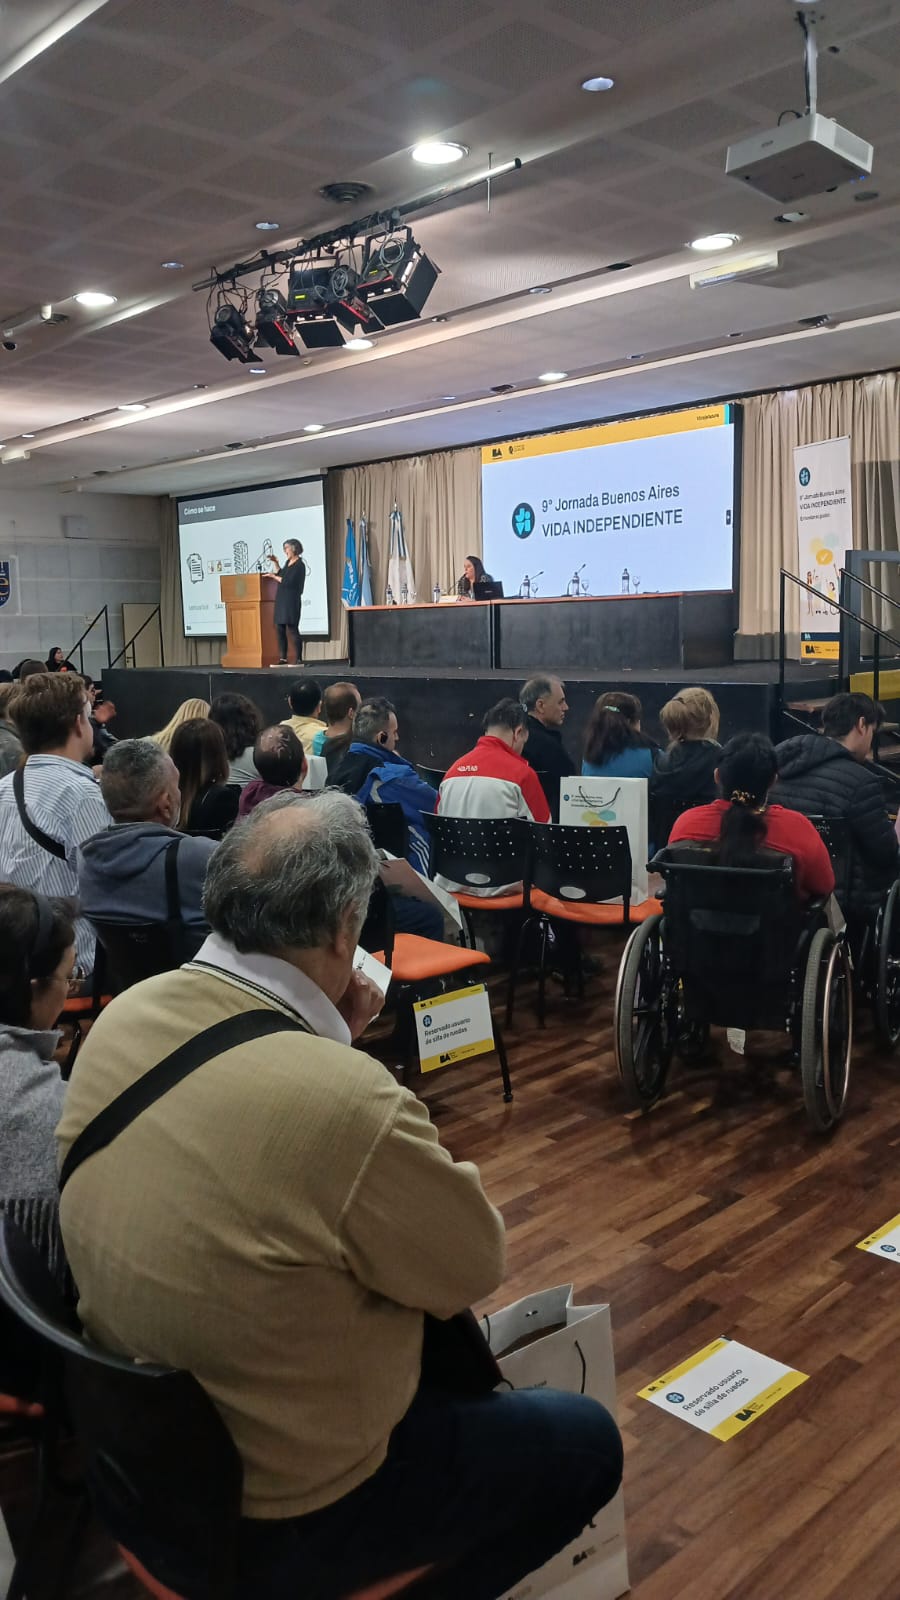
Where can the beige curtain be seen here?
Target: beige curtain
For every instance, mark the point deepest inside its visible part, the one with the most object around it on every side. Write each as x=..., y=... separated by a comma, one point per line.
x=440, y=498
x=179, y=650
x=868, y=409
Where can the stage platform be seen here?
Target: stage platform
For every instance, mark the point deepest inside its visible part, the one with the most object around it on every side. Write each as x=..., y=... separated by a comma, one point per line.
x=440, y=709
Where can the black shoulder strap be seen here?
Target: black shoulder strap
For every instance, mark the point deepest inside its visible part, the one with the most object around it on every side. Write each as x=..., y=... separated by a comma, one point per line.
x=173, y=893
x=158, y=1080
x=52, y=846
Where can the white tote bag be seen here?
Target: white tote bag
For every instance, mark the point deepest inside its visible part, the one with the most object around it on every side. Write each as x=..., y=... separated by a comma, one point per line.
x=611, y=803
x=575, y=1354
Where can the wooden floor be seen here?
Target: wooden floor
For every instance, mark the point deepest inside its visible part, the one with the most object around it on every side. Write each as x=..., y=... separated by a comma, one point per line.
x=717, y=1214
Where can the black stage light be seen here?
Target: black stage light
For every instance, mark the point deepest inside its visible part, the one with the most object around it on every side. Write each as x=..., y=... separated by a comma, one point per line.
x=232, y=334
x=397, y=279
x=274, y=327
x=319, y=332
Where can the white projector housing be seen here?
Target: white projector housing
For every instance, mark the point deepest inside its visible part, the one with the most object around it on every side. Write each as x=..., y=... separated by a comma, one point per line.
x=803, y=157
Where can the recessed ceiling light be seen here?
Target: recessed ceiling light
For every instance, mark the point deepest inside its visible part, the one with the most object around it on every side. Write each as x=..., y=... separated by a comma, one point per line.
x=737, y=335
x=28, y=436
x=541, y=288
x=358, y=344
x=439, y=152
x=638, y=357
x=551, y=377
x=448, y=396
x=313, y=427
x=199, y=385
x=136, y=405
x=94, y=300
x=865, y=194
x=172, y=266
x=792, y=216
x=715, y=241
x=267, y=227
x=257, y=372
x=598, y=85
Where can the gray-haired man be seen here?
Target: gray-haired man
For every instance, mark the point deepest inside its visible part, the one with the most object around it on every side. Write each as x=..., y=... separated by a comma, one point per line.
x=280, y=1222
x=122, y=871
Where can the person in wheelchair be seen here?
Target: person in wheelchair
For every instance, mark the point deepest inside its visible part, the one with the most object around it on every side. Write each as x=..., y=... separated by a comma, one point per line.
x=743, y=821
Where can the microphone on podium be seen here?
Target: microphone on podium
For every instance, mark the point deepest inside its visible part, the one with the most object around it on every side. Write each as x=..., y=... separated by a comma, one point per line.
x=525, y=590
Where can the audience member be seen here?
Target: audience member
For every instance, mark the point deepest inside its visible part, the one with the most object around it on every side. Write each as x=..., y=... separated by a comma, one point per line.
x=209, y=799
x=371, y=770
x=743, y=822
x=614, y=745
x=122, y=871
x=494, y=779
x=340, y=703
x=27, y=668
x=188, y=711
x=103, y=712
x=51, y=804
x=11, y=751
x=281, y=1226
x=240, y=721
x=827, y=774
x=685, y=773
x=544, y=698
x=37, y=961
x=305, y=701
x=56, y=661
x=279, y=759
x=6, y=676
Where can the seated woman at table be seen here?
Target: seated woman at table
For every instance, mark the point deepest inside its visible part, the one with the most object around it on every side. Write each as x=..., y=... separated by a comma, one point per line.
x=473, y=572
x=614, y=745
x=742, y=822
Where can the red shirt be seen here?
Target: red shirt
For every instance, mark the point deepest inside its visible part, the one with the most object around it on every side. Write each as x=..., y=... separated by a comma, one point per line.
x=788, y=832
x=492, y=781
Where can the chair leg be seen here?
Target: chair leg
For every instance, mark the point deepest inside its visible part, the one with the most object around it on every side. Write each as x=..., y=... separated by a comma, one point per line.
x=514, y=970
x=74, y=1047
x=542, y=975
x=504, y=1064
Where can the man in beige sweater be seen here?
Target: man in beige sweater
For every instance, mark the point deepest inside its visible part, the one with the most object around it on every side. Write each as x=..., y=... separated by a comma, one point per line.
x=280, y=1222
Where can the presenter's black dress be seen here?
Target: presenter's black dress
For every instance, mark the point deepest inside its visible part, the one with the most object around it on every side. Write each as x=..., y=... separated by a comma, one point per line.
x=287, y=607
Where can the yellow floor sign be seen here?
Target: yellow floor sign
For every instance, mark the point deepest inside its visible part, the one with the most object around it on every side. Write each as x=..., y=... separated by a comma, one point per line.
x=453, y=1026
x=884, y=1242
x=723, y=1388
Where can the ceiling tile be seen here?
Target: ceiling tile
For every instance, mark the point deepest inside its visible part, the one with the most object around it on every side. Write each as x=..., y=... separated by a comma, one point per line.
x=518, y=56
x=408, y=24
x=84, y=65
x=227, y=107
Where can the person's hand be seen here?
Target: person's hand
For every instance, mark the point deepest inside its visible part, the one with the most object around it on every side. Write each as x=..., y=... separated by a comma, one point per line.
x=362, y=1000
x=274, y=560
x=105, y=711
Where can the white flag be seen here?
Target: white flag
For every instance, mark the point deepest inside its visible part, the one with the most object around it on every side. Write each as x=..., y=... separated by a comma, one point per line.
x=401, y=578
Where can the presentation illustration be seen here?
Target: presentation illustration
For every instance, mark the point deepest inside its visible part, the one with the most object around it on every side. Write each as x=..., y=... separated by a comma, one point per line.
x=195, y=567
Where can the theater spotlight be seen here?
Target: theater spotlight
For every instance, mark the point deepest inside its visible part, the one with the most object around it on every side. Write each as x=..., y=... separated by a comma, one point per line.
x=274, y=327
x=397, y=278
x=232, y=334
x=326, y=296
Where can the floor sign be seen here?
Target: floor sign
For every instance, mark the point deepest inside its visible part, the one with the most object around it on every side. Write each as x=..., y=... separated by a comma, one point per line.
x=884, y=1242
x=453, y=1027
x=723, y=1388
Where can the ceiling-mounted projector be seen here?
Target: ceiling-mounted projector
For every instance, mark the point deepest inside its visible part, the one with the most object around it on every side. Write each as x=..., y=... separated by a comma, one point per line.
x=808, y=156
x=803, y=157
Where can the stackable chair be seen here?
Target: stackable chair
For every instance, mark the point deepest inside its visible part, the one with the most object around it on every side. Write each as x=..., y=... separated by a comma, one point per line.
x=431, y=775
x=581, y=877
x=388, y=827
x=484, y=853
x=874, y=940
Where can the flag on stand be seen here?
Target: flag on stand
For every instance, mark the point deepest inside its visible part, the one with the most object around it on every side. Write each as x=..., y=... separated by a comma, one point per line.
x=401, y=578
x=365, y=571
x=350, y=586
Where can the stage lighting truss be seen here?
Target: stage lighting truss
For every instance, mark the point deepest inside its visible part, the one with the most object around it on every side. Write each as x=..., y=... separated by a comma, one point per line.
x=359, y=288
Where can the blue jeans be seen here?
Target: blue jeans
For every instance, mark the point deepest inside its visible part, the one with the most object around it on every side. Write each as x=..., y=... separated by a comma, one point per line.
x=483, y=1490
x=417, y=916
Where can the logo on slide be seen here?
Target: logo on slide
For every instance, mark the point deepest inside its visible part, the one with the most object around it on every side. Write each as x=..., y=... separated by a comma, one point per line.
x=805, y=476
x=523, y=520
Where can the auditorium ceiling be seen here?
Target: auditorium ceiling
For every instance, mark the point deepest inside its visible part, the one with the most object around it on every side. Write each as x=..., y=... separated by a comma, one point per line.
x=137, y=132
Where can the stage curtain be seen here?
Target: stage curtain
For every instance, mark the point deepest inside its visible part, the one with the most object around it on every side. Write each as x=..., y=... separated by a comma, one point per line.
x=868, y=409
x=440, y=498
x=179, y=650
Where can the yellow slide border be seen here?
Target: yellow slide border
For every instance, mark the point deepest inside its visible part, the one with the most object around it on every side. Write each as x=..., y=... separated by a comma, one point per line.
x=630, y=428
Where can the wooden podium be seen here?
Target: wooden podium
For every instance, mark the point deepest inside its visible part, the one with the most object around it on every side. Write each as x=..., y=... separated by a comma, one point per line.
x=249, y=620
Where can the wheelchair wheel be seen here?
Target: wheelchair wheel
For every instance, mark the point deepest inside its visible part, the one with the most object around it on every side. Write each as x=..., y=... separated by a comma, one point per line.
x=642, y=1035
x=887, y=985
x=826, y=1037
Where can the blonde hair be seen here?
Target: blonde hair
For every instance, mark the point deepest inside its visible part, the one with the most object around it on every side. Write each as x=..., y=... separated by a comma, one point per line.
x=187, y=712
x=692, y=714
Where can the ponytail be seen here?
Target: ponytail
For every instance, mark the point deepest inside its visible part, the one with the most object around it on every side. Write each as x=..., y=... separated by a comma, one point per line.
x=747, y=770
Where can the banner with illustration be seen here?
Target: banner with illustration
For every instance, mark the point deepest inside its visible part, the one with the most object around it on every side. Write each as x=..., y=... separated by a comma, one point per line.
x=824, y=535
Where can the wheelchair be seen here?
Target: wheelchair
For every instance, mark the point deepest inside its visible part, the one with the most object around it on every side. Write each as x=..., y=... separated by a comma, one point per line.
x=874, y=941
x=734, y=948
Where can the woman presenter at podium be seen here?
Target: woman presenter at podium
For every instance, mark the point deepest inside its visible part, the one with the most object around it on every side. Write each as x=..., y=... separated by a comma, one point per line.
x=473, y=572
x=290, y=579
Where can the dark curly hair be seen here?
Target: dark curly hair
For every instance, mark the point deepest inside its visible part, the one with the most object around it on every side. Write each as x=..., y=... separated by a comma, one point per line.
x=239, y=719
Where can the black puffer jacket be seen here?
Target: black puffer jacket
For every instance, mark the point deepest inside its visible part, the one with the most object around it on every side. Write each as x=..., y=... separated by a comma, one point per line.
x=817, y=776
x=683, y=776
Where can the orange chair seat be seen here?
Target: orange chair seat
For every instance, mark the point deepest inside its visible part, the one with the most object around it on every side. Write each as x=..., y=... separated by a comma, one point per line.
x=12, y=1406
x=379, y=1591
x=608, y=915
x=416, y=959
x=83, y=1005
x=490, y=902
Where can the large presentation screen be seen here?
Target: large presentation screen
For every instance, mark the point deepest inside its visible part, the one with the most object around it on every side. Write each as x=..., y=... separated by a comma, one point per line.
x=642, y=506
x=222, y=534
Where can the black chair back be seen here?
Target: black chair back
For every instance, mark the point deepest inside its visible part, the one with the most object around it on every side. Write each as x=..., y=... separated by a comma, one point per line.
x=731, y=934
x=133, y=951
x=582, y=864
x=431, y=775
x=479, y=853
x=378, y=930
x=162, y=1470
x=388, y=827
x=838, y=841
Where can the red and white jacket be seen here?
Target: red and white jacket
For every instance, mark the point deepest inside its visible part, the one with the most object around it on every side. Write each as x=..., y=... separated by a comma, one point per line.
x=492, y=781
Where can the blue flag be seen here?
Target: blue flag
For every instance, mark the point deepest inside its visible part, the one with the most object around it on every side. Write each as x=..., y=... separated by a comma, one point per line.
x=365, y=571
x=350, y=587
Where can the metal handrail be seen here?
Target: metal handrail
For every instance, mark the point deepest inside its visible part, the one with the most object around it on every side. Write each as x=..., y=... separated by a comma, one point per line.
x=845, y=611
x=104, y=613
x=157, y=613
